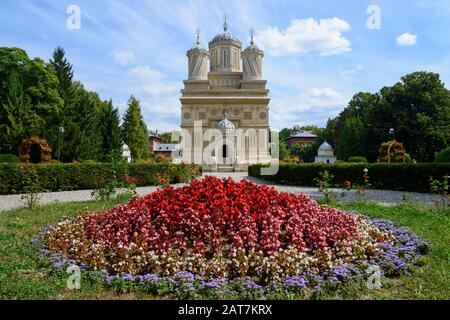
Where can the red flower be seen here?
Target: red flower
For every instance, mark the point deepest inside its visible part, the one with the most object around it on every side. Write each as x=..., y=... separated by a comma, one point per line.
x=210, y=215
x=129, y=179
x=163, y=180
x=347, y=183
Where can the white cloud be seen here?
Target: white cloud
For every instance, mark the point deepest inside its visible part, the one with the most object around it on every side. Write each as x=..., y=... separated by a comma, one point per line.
x=147, y=73
x=307, y=35
x=323, y=98
x=123, y=57
x=407, y=39
x=159, y=89
x=313, y=107
x=352, y=72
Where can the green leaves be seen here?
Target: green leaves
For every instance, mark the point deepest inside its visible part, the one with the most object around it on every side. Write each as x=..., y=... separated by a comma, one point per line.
x=134, y=130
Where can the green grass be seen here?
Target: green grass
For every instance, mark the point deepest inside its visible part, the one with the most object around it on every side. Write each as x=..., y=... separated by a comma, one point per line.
x=24, y=276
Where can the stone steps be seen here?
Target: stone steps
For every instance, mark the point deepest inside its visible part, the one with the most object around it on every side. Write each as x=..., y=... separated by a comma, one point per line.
x=225, y=169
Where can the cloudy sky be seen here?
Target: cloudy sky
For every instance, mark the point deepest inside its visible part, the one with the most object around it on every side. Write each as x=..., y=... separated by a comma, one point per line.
x=317, y=53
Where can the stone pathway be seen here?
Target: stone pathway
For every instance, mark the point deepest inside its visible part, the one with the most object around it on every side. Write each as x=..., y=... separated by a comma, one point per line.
x=383, y=197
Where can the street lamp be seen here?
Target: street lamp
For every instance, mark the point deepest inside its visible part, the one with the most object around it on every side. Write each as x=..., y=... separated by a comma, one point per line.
x=392, y=132
x=60, y=132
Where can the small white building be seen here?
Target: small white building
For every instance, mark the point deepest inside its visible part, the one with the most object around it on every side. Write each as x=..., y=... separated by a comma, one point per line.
x=325, y=154
x=126, y=152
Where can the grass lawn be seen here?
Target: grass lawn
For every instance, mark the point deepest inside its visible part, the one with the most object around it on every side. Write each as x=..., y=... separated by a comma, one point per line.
x=24, y=276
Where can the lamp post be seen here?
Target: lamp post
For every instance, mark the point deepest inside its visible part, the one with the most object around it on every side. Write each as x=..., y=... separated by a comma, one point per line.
x=392, y=132
x=60, y=132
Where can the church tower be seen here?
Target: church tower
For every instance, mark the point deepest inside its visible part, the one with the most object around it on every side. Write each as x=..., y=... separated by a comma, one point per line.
x=198, y=60
x=252, y=59
x=225, y=50
x=225, y=111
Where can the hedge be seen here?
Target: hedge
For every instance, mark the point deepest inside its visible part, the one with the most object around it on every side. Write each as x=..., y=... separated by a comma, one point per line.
x=66, y=177
x=401, y=177
x=9, y=158
x=443, y=156
x=357, y=159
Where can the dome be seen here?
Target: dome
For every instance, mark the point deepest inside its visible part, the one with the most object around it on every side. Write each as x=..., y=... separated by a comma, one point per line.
x=225, y=125
x=197, y=46
x=252, y=47
x=225, y=36
x=325, y=146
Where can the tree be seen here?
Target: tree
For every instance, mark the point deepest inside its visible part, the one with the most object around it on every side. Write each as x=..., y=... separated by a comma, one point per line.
x=64, y=71
x=349, y=141
x=420, y=106
x=417, y=108
x=29, y=99
x=134, y=130
x=109, y=126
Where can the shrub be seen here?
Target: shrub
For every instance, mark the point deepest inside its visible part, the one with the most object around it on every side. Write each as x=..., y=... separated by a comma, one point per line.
x=357, y=159
x=9, y=158
x=89, y=161
x=80, y=176
x=408, y=158
x=443, y=156
x=393, y=176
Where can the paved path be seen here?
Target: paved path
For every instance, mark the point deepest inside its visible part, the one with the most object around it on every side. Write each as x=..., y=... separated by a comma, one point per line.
x=383, y=197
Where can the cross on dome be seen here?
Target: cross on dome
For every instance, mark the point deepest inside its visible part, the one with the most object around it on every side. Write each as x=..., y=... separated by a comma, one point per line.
x=225, y=22
x=197, y=32
x=252, y=34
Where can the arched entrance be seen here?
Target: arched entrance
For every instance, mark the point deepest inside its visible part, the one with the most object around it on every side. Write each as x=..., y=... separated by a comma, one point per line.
x=35, y=150
x=35, y=153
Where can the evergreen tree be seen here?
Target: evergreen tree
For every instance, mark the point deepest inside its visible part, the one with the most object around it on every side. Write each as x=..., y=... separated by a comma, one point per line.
x=64, y=71
x=349, y=142
x=109, y=126
x=134, y=130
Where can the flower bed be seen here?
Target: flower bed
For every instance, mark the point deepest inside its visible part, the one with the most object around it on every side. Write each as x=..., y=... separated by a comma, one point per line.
x=219, y=237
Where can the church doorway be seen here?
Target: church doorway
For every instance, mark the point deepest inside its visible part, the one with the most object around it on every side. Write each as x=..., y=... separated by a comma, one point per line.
x=224, y=151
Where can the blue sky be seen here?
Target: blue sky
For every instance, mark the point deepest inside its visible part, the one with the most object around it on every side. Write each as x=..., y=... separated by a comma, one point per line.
x=317, y=53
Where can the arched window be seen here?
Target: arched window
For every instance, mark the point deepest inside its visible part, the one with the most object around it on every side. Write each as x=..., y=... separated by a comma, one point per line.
x=224, y=58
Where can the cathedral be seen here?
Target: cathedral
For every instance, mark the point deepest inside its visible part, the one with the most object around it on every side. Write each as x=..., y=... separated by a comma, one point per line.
x=225, y=105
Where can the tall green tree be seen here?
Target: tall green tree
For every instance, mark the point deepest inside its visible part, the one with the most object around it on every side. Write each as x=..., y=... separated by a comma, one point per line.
x=349, y=141
x=29, y=99
x=64, y=71
x=109, y=126
x=134, y=130
x=417, y=108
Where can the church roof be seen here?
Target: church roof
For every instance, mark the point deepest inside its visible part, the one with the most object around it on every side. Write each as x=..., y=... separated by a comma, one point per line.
x=252, y=47
x=225, y=36
x=197, y=46
x=302, y=134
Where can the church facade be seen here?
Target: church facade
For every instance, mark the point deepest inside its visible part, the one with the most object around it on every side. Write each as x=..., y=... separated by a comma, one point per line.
x=225, y=108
